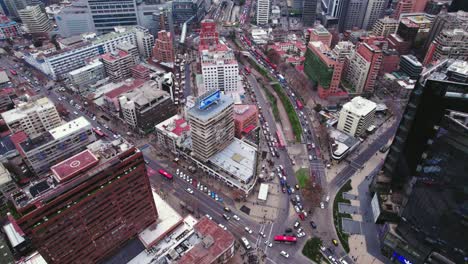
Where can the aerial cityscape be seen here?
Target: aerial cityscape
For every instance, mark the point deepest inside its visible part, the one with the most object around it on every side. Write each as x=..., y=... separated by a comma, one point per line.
x=233, y=131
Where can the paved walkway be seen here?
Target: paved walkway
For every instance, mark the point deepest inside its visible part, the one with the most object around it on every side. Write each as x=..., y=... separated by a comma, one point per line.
x=365, y=246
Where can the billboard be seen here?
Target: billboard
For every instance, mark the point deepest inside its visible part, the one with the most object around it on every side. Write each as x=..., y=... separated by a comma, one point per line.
x=209, y=100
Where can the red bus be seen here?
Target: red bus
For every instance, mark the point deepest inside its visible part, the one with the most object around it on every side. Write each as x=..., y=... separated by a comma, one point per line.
x=99, y=132
x=280, y=139
x=247, y=70
x=13, y=72
x=165, y=174
x=286, y=239
x=299, y=104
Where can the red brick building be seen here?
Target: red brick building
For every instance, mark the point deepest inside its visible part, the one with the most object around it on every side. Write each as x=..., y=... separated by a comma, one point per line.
x=245, y=119
x=93, y=203
x=140, y=72
x=163, y=50
x=209, y=36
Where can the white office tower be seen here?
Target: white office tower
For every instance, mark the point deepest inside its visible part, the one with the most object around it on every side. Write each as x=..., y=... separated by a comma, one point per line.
x=220, y=70
x=263, y=12
x=356, y=116
x=35, y=20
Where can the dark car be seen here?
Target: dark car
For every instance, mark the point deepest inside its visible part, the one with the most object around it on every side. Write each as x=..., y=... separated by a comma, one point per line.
x=288, y=230
x=312, y=223
x=315, y=157
x=226, y=217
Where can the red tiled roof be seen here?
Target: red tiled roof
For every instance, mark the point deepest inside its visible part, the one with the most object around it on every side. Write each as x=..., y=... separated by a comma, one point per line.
x=74, y=165
x=125, y=88
x=222, y=240
x=248, y=129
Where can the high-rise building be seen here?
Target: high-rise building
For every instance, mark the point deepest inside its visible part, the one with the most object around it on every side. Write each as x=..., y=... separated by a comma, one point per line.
x=117, y=64
x=263, y=12
x=411, y=66
x=163, y=20
x=390, y=61
x=55, y=145
x=132, y=50
x=419, y=5
x=144, y=42
x=144, y=107
x=309, y=12
x=109, y=14
x=74, y=19
x=451, y=44
x=163, y=50
x=35, y=20
x=385, y=26
x=414, y=27
x=209, y=36
x=220, y=69
x=325, y=66
x=182, y=11
x=402, y=7
x=356, y=116
x=418, y=195
x=362, y=68
x=34, y=118
x=375, y=10
x=212, y=124
x=352, y=14
x=434, y=7
x=457, y=5
x=92, y=204
x=446, y=21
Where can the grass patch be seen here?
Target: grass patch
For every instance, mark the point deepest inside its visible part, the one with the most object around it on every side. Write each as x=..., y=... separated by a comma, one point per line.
x=273, y=103
x=337, y=216
x=295, y=123
x=312, y=249
x=302, y=176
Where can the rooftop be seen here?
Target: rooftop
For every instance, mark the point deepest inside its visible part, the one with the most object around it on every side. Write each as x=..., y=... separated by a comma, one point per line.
x=342, y=143
x=74, y=165
x=360, y=106
x=22, y=110
x=242, y=112
x=127, y=86
x=168, y=219
x=45, y=189
x=146, y=93
x=4, y=77
x=113, y=56
x=174, y=126
x=213, y=241
x=70, y=128
x=212, y=110
x=238, y=159
x=413, y=60
x=93, y=64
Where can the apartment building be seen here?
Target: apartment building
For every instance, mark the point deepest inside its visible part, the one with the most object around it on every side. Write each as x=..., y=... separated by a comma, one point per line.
x=263, y=12
x=245, y=119
x=163, y=50
x=385, y=26
x=449, y=44
x=375, y=10
x=220, y=69
x=362, y=68
x=34, y=118
x=8, y=28
x=55, y=145
x=117, y=65
x=82, y=77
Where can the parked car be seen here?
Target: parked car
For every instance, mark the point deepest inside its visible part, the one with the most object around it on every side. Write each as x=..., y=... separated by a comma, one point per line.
x=284, y=254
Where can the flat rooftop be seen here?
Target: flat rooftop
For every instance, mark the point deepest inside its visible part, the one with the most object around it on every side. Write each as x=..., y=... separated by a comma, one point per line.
x=241, y=112
x=69, y=128
x=211, y=111
x=360, y=106
x=238, y=159
x=23, y=109
x=74, y=165
x=168, y=219
x=174, y=126
x=93, y=64
x=344, y=143
x=47, y=187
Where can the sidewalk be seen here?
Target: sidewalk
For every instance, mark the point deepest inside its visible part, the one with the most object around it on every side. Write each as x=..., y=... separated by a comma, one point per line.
x=365, y=246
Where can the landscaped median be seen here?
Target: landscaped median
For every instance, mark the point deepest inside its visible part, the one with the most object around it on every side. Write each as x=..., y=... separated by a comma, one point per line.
x=312, y=249
x=337, y=216
x=293, y=119
x=302, y=176
x=273, y=102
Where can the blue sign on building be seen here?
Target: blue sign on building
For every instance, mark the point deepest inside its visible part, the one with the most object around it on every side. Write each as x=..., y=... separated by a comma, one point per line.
x=209, y=100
